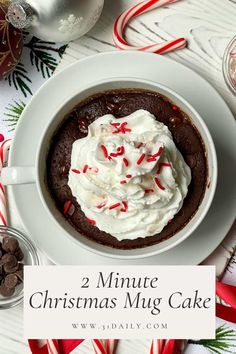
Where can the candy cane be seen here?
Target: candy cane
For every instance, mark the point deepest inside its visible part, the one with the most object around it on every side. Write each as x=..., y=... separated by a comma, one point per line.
x=180, y=346
x=53, y=346
x=4, y=148
x=157, y=346
x=160, y=346
x=169, y=347
x=104, y=346
x=111, y=345
x=226, y=308
x=134, y=11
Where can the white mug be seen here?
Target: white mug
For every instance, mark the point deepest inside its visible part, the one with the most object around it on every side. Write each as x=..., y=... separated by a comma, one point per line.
x=37, y=174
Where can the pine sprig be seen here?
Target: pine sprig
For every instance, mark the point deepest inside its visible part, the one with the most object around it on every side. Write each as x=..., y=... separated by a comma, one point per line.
x=18, y=77
x=44, y=62
x=41, y=56
x=13, y=113
x=61, y=50
x=222, y=342
x=231, y=264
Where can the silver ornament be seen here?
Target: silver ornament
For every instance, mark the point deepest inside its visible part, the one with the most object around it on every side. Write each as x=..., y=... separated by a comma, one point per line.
x=55, y=20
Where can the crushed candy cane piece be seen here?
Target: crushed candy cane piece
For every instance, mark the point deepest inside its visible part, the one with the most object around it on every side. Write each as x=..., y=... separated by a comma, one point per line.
x=67, y=206
x=75, y=171
x=91, y=221
x=161, y=165
x=125, y=206
x=114, y=206
x=104, y=150
x=150, y=190
x=126, y=162
x=158, y=183
x=140, y=159
x=85, y=168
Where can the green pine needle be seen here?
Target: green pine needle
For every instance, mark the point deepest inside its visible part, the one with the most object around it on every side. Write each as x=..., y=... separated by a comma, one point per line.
x=44, y=62
x=61, y=50
x=18, y=77
x=13, y=113
x=222, y=342
x=41, y=56
x=231, y=264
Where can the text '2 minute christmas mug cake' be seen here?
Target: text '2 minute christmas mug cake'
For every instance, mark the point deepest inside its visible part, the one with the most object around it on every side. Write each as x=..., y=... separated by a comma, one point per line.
x=127, y=168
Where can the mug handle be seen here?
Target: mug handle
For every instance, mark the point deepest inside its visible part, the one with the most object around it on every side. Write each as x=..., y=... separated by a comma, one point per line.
x=18, y=175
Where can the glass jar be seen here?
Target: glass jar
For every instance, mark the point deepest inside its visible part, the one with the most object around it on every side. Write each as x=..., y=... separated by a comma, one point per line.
x=30, y=258
x=229, y=65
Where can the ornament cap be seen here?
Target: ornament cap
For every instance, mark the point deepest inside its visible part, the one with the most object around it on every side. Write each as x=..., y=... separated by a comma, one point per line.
x=20, y=14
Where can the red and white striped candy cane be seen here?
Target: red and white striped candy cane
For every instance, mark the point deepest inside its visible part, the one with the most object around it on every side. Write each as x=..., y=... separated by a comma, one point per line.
x=134, y=11
x=157, y=346
x=111, y=345
x=49, y=346
x=53, y=346
x=4, y=148
x=160, y=346
x=104, y=346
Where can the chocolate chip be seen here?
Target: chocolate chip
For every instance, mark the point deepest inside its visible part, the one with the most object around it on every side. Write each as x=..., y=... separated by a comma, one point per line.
x=175, y=121
x=20, y=274
x=83, y=125
x=11, y=259
x=11, y=281
x=9, y=244
x=6, y=258
x=19, y=254
x=10, y=268
x=6, y=292
x=21, y=266
x=10, y=264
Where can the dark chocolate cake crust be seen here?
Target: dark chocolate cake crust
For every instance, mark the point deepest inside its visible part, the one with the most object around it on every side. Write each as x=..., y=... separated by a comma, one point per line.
x=122, y=103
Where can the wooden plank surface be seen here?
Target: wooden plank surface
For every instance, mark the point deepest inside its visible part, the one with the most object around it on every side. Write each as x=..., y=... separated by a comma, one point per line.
x=208, y=25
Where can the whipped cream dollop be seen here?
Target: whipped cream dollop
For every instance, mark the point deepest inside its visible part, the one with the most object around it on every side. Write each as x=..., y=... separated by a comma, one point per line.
x=128, y=176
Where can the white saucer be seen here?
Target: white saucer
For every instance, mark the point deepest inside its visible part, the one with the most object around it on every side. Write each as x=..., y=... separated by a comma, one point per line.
x=46, y=234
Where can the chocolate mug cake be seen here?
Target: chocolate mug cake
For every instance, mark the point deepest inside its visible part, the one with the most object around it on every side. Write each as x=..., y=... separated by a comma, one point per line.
x=127, y=168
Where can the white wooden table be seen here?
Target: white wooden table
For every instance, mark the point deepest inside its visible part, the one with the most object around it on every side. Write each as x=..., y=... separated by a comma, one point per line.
x=208, y=26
